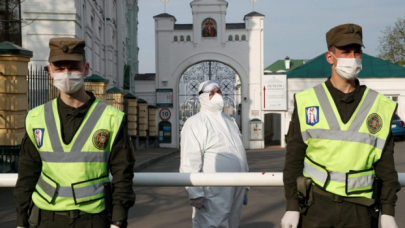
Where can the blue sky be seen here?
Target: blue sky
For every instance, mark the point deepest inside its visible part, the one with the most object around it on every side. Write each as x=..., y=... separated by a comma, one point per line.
x=293, y=28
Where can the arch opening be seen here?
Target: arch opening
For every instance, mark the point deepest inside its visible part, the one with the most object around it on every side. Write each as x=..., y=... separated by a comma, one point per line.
x=194, y=75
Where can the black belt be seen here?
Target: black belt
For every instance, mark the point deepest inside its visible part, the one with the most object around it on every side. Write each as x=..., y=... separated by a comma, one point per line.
x=337, y=198
x=70, y=214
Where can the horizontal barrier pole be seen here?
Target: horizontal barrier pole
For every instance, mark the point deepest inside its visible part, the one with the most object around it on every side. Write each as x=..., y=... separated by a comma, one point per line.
x=208, y=179
x=265, y=179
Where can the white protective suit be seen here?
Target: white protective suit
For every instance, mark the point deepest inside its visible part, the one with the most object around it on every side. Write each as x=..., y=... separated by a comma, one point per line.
x=211, y=142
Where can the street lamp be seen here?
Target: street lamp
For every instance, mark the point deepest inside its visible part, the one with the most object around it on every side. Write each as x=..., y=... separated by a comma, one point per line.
x=253, y=1
x=164, y=2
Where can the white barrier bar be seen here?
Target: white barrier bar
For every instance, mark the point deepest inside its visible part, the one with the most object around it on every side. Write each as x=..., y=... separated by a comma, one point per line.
x=208, y=179
x=8, y=180
x=265, y=179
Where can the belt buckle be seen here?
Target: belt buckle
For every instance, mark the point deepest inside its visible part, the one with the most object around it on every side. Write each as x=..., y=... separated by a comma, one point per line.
x=337, y=198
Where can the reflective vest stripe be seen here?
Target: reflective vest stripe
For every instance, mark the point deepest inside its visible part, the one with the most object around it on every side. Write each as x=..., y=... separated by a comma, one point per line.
x=331, y=118
x=363, y=111
x=317, y=173
x=338, y=177
x=360, y=181
x=74, y=157
x=359, y=137
x=63, y=191
x=48, y=188
x=88, y=127
x=354, y=181
x=83, y=135
x=51, y=127
x=89, y=192
x=326, y=107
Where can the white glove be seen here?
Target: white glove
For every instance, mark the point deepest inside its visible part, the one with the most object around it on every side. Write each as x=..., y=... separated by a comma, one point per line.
x=114, y=226
x=197, y=203
x=388, y=221
x=291, y=219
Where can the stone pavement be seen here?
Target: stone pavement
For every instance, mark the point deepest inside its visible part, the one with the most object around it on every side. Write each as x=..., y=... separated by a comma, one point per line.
x=149, y=156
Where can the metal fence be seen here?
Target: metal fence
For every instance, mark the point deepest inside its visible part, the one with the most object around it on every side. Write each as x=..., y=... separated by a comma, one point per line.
x=40, y=84
x=9, y=159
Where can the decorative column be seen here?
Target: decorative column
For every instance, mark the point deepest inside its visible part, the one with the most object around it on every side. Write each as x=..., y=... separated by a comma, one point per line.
x=13, y=101
x=131, y=103
x=142, y=118
x=97, y=85
x=152, y=124
x=117, y=97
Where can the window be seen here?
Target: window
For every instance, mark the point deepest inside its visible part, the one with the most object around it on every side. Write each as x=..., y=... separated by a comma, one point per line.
x=181, y=38
x=243, y=37
x=10, y=22
x=236, y=37
x=175, y=39
x=230, y=38
x=188, y=38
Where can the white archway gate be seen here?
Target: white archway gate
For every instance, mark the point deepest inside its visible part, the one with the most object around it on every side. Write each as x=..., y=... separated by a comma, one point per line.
x=209, y=39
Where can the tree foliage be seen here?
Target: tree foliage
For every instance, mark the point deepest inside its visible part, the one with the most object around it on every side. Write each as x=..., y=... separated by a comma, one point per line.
x=392, y=43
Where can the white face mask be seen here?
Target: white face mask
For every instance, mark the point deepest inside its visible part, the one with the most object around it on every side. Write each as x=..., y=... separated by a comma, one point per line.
x=68, y=82
x=348, y=68
x=217, y=102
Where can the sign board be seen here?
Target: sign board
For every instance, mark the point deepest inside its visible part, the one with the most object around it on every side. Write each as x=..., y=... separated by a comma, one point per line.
x=165, y=114
x=256, y=130
x=164, y=98
x=274, y=94
x=165, y=132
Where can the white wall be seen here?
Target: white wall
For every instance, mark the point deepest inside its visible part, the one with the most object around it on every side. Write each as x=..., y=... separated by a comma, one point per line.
x=146, y=90
x=64, y=19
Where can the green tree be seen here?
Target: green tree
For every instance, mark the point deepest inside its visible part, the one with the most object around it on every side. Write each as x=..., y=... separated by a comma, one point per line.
x=392, y=43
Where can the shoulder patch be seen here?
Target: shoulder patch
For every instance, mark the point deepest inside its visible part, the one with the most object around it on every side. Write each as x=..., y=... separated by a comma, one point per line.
x=100, y=139
x=312, y=114
x=374, y=123
x=39, y=136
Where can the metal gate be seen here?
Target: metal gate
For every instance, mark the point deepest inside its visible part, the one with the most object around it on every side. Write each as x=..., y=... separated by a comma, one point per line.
x=40, y=86
x=189, y=104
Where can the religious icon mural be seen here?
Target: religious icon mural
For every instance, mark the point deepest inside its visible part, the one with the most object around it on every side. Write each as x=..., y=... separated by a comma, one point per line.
x=209, y=28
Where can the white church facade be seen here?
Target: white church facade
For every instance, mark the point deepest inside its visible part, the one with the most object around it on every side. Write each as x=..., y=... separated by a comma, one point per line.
x=210, y=48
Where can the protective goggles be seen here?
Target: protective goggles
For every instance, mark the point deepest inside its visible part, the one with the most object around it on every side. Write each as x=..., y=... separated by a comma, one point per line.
x=210, y=86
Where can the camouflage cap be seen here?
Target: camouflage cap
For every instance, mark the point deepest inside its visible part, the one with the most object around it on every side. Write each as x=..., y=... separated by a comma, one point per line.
x=343, y=35
x=66, y=48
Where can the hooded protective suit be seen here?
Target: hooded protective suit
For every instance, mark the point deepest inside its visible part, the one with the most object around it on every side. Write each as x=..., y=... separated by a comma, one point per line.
x=211, y=142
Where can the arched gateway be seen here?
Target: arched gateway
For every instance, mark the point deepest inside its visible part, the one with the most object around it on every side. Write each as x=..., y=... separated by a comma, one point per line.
x=207, y=53
x=191, y=79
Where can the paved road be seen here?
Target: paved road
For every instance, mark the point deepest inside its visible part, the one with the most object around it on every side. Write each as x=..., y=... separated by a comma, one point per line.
x=168, y=206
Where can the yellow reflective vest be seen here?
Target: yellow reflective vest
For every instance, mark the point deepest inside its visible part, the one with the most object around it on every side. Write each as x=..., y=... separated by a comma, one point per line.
x=72, y=175
x=340, y=157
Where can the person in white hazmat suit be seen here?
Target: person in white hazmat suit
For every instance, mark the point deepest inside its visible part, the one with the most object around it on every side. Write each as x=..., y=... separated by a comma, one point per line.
x=211, y=142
